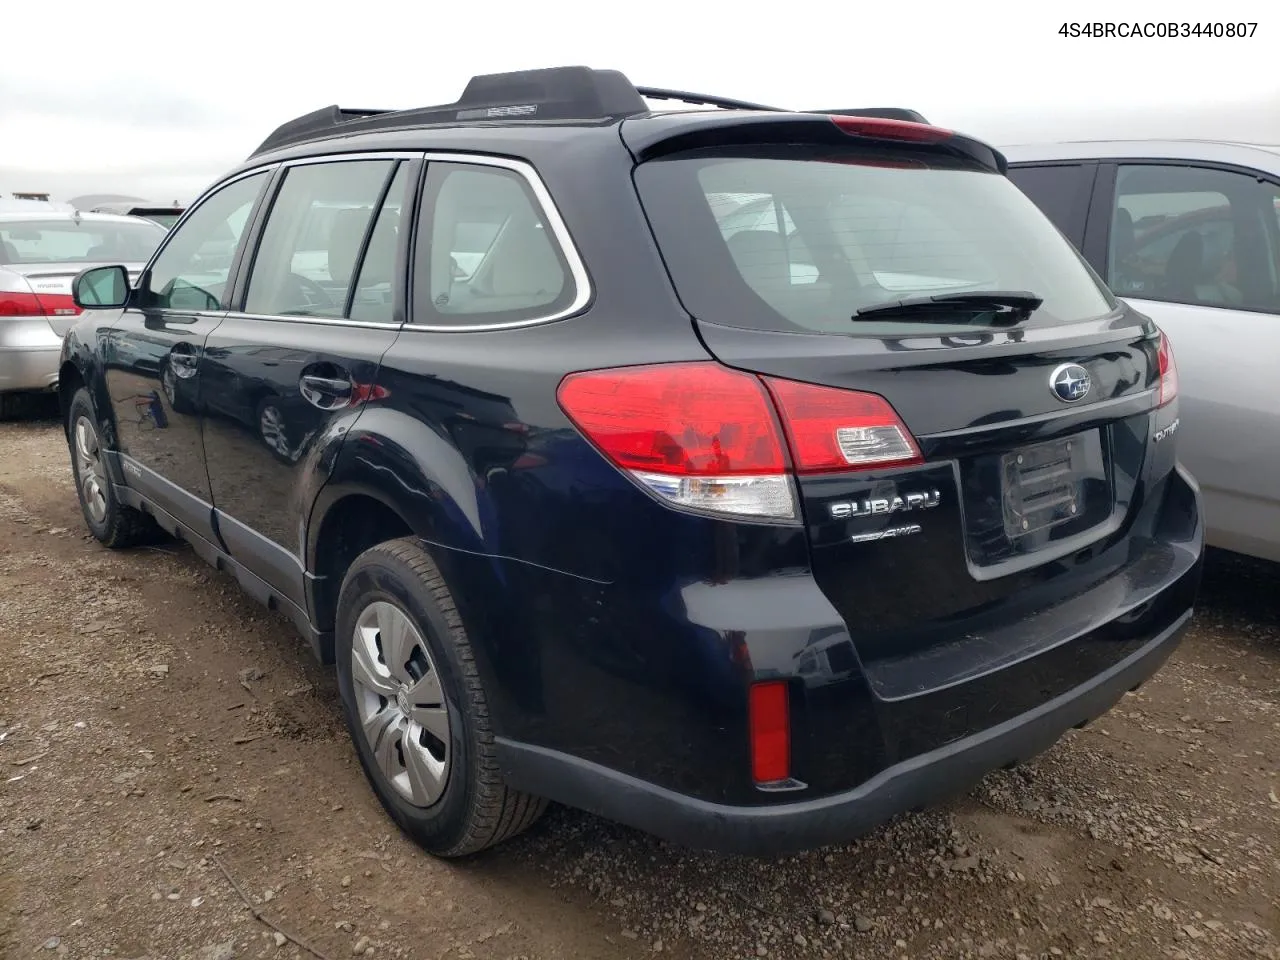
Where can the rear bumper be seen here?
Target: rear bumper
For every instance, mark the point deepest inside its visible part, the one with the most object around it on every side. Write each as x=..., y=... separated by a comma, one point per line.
x=789, y=827
x=30, y=352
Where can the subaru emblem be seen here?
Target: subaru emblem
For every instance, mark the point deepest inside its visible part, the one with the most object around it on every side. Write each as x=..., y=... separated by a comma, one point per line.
x=1070, y=383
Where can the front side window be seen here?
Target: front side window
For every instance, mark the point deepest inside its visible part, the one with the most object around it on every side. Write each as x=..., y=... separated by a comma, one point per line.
x=78, y=240
x=800, y=239
x=191, y=271
x=485, y=252
x=314, y=236
x=1195, y=235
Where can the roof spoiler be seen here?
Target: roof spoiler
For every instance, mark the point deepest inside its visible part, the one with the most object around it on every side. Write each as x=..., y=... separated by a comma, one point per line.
x=882, y=113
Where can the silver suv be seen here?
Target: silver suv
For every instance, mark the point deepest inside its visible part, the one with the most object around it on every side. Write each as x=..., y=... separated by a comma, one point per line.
x=1189, y=232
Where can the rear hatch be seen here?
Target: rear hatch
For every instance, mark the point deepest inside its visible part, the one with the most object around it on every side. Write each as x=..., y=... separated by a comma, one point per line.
x=904, y=264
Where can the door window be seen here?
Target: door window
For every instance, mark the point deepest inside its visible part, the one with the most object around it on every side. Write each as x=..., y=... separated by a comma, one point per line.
x=373, y=299
x=1195, y=235
x=314, y=236
x=1062, y=191
x=485, y=252
x=192, y=269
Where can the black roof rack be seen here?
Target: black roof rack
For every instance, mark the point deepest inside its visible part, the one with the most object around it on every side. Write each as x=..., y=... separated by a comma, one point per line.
x=702, y=99
x=556, y=93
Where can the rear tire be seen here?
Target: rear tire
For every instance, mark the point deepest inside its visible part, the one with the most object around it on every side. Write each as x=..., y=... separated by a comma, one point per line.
x=111, y=522
x=416, y=709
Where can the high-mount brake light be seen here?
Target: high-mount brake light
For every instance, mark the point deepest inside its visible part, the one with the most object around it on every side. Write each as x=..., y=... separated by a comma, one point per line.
x=716, y=440
x=882, y=128
x=1168, y=371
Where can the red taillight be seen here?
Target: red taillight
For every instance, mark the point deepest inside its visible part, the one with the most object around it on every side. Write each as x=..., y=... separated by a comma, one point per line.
x=882, y=128
x=770, y=724
x=684, y=419
x=1168, y=371
x=16, y=304
x=832, y=430
x=59, y=304
x=703, y=436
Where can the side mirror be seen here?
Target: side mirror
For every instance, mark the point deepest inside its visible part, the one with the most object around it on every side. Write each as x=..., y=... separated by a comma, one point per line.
x=100, y=288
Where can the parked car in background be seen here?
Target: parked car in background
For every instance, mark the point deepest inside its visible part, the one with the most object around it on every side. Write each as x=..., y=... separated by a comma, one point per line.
x=32, y=203
x=1189, y=232
x=592, y=497
x=164, y=214
x=42, y=248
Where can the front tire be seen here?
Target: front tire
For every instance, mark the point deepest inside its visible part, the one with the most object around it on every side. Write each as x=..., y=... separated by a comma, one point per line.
x=111, y=522
x=415, y=706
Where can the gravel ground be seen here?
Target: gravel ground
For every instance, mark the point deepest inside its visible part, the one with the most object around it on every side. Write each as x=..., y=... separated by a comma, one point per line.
x=158, y=729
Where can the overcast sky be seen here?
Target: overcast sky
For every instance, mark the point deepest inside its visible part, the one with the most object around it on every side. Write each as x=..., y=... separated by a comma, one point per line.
x=147, y=98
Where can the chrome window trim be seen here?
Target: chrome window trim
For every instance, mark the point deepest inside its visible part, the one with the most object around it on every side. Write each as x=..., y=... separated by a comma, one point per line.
x=341, y=157
x=325, y=321
x=577, y=269
x=583, y=290
x=198, y=201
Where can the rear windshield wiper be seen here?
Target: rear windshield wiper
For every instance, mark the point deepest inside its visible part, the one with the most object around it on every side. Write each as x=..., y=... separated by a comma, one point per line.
x=1008, y=306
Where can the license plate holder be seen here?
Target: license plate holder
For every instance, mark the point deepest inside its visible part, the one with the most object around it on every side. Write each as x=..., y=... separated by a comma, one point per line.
x=1044, y=485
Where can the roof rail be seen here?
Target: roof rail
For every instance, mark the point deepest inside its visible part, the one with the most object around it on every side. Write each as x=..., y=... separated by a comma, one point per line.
x=882, y=113
x=556, y=93
x=313, y=124
x=702, y=99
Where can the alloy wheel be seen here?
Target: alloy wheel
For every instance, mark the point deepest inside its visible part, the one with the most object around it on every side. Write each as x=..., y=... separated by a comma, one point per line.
x=89, y=471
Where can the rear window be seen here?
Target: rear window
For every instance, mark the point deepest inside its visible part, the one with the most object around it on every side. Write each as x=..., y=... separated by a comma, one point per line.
x=800, y=242
x=166, y=218
x=78, y=241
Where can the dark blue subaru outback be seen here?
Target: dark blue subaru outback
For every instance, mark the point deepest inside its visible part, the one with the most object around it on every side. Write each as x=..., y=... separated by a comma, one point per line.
x=745, y=475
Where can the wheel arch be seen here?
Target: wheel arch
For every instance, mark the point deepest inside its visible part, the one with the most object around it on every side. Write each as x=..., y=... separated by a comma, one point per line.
x=81, y=368
x=346, y=524
x=70, y=380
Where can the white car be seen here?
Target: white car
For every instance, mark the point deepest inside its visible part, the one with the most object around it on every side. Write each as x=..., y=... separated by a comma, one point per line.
x=1188, y=231
x=42, y=248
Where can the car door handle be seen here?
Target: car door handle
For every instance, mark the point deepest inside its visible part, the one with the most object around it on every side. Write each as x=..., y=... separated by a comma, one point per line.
x=327, y=393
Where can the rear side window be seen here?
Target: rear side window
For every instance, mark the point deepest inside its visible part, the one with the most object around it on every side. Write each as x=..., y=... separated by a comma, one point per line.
x=1195, y=235
x=314, y=235
x=485, y=252
x=786, y=239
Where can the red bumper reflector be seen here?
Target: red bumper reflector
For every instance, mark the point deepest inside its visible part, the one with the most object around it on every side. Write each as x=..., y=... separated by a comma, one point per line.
x=770, y=732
